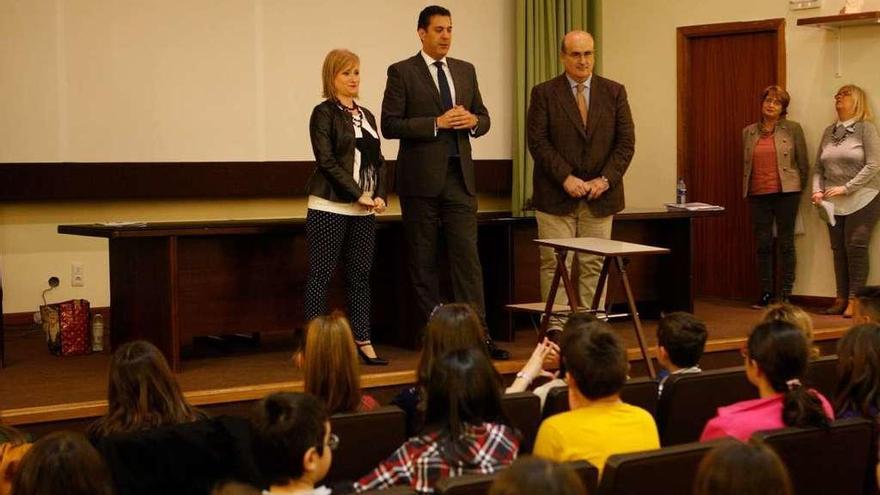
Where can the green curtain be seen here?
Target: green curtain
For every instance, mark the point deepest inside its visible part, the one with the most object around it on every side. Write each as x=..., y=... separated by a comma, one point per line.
x=540, y=25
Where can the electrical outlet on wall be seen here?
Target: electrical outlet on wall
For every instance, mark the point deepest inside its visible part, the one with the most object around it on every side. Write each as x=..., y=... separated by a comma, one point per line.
x=77, y=275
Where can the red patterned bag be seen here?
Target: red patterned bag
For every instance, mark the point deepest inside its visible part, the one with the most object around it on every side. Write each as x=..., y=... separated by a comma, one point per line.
x=66, y=326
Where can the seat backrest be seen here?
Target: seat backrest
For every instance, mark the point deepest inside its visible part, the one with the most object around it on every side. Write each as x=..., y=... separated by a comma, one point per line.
x=641, y=392
x=479, y=484
x=666, y=471
x=556, y=401
x=523, y=409
x=690, y=400
x=822, y=375
x=828, y=461
x=365, y=439
x=185, y=458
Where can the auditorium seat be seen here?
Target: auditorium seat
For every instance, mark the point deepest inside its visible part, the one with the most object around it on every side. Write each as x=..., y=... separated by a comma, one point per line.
x=834, y=461
x=187, y=458
x=666, y=471
x=641, y=392
x=523, y=409
x=478, y=484
x=690, y=400
x=822, y=375
x=365, y=439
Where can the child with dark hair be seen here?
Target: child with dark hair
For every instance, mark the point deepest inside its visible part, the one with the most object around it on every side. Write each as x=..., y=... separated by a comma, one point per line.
x=292, y=442
x=858, y=371
x=62, y=463
x=599, y=424
x=465, y=429
x=576, y=320
x=529, y=475
x=142, y=393
x=868, y=308
x=776, y=358
x=681, y=338
x=742, y=469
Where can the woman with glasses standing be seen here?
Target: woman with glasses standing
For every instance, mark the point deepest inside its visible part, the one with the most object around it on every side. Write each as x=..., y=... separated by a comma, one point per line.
x=346, y=190
x=846, y=176
x=775, y=172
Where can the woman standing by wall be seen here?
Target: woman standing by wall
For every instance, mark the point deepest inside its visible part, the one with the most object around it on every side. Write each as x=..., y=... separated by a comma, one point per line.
x=846, y=176
x=775, y=172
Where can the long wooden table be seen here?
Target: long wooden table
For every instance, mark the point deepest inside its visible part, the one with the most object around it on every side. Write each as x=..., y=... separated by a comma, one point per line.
x=172, y=281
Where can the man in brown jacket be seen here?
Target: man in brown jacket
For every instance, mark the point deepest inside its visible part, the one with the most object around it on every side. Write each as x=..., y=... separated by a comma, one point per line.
x=580, y=133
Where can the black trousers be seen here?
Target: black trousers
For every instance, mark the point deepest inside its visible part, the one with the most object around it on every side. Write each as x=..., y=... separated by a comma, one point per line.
x=452, y=218
x=781, y=208
x=850, y=238
x=332, y=237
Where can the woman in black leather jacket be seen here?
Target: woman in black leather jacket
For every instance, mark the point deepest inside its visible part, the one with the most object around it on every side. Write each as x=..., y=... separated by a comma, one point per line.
x=345, y=191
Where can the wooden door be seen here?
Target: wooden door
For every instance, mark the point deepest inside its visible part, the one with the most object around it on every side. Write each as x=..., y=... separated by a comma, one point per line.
x=722, y=69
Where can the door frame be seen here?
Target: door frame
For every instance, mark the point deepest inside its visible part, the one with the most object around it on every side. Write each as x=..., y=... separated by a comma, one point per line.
x=684, y=36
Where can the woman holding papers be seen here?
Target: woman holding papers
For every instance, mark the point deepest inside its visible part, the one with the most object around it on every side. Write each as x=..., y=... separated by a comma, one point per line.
x=346, y=190
x=774, y=174
x=846, y=176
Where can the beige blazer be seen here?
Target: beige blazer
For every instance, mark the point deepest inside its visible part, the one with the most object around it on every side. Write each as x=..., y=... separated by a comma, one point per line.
x=791, y=155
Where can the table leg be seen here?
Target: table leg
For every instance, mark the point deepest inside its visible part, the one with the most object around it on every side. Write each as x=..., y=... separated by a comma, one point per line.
x=600, y=287
x=637, y=323
x=566, y=280
x=551, y=297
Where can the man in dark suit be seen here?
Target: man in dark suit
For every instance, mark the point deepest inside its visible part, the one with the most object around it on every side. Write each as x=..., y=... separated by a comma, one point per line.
x=580, y=133
x=433, y=105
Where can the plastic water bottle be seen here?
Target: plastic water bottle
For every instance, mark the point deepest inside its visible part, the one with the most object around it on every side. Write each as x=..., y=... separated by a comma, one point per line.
x=681, y=192
x=97, y=333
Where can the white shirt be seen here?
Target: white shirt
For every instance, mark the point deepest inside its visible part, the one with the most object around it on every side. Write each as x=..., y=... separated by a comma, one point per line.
x=354, y=208
x=433, y=70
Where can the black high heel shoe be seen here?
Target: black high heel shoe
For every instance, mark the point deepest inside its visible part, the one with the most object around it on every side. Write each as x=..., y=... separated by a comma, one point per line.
x=369, y=361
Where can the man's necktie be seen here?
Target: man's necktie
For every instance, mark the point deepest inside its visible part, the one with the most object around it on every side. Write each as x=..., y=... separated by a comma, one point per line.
x=582, y=103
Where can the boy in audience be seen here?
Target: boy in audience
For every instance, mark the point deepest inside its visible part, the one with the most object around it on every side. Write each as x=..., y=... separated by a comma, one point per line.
x=681, y=338
x=868, y=309
x=292, y=443
x=599, y=424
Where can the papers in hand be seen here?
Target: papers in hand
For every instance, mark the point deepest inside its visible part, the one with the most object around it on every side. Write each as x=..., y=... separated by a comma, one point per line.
x=124, y=224
x=826, y=212
x=695, y=206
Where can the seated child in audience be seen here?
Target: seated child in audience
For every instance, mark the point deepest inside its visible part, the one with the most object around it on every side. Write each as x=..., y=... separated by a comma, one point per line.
x=681, y=338
x=797, y=317
x=737, y=468
x=858, y=370
x=451, y=327
x=465, y=430
x=330, y=365
x=13, y=446
x=142, y=393
x=577, y=320
x=293, y=445
x=530, y=475
x=776, y=358
x=62, y=463
x=868, y=309
x=599, y=424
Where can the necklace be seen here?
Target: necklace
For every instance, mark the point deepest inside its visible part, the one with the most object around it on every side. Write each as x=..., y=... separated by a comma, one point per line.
x=767, y=132
x=352, y=108
x=840, y=133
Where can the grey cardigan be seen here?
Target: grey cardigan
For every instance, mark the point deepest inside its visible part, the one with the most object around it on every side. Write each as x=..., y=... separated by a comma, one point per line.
x=791, y=155
x=856, y=167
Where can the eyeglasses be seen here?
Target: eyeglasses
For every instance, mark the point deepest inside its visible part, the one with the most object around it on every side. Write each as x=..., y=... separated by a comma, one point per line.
x=333, y=441
x=773, y=101
x=843, y=93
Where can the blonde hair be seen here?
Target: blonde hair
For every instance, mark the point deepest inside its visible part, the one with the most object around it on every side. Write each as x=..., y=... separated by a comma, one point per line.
x=335, y=62
x=790, y=313
x=861, y=108
x=330, y=363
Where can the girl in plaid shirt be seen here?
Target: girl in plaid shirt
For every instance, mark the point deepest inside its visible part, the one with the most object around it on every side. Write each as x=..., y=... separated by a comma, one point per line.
x=466, y=431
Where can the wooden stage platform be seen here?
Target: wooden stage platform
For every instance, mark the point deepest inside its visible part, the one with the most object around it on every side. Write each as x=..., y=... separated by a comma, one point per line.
x=37, y=388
